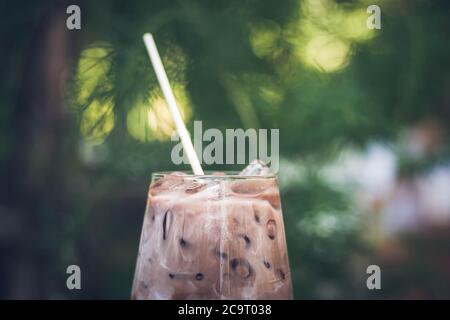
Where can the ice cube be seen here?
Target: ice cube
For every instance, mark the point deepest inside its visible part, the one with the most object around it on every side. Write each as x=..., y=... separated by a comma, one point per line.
x=195, y=186
x=255, y=168
x=216, y=190
x=168, y=182
x=251, y=186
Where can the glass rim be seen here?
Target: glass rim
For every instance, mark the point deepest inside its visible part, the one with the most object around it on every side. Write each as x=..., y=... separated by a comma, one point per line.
x=229, y=174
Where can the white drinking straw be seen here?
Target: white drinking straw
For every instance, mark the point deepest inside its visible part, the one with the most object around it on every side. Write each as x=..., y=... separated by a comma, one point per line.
x=170, y=98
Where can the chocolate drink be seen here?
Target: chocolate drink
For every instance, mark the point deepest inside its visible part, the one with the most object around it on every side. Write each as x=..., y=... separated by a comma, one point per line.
x=212, y=237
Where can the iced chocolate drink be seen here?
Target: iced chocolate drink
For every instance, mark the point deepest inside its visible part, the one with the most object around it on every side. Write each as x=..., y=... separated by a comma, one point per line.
x=212, y=237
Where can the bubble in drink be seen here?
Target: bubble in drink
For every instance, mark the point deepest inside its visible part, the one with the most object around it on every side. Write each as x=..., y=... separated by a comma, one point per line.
x=213, y=237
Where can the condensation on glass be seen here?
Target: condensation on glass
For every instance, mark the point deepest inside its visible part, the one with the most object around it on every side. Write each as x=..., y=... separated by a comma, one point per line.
x=218, y=236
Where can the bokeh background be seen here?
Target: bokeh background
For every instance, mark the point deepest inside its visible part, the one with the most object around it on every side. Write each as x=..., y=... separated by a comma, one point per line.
x=363, y=117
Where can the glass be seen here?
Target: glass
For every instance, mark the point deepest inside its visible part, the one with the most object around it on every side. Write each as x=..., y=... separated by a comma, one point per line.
x=216, y=236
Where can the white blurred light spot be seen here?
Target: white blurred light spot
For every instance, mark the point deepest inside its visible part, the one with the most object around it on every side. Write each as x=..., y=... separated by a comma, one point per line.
x=92, y=154
x=435, y=195
x=291, y=172
x=374, y=172
x=378, y=174
x=401, y=212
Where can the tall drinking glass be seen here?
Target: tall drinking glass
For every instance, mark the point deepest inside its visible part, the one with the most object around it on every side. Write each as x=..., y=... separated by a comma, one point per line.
x=215, y=236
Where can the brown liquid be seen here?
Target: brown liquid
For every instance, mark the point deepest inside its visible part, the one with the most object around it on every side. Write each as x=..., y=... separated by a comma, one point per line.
x=213, y=239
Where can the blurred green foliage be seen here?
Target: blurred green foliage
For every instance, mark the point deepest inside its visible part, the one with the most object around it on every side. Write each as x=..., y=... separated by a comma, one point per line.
x=77, y=153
